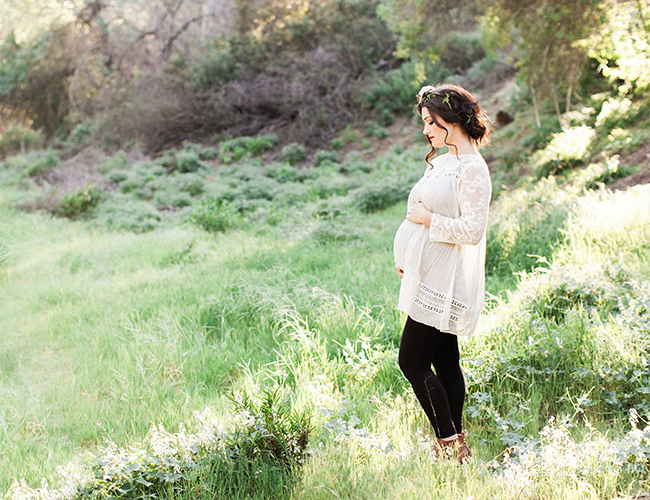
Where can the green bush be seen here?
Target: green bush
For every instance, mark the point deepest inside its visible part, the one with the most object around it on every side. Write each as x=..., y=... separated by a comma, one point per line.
x=373, y=129
x=118, y=176
x=191, y=183
x=274, y=429
x=215, y=215
x=36, y=164
x=79, y=203
x=483, y=68
x=281, y=172
x=394, y=90
x=189, y=161
x=613, y=172
x=353, y=164
x=168, y=160
x=387, y=118
x=331, y=183
x=564, y=290
x=326, y=157
x=202, y=152
x=261, y=188
x=374, y=197
x=337, y=144
x=235, y=149
x=460, y=51
x=18, y=135
x=294, y=153
x=115, y=162
x=81, y=133
x=134, y=180
x=565, y=151
x=124, y=212
x=351, y=135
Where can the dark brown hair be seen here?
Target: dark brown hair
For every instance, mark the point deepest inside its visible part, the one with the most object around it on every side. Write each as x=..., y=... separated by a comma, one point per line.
x=454, y=104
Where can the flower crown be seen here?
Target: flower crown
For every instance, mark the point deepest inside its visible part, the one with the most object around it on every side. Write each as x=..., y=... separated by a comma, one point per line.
x=426, y=93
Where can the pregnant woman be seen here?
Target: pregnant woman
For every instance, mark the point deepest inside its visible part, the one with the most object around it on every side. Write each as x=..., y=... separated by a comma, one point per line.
x=440, y=256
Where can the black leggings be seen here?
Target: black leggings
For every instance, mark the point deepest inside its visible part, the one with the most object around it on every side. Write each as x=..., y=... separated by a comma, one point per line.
x=441, y=395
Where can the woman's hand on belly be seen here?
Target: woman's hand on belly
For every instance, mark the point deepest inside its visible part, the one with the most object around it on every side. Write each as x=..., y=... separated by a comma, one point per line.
x=418, y=214
x=399, y=270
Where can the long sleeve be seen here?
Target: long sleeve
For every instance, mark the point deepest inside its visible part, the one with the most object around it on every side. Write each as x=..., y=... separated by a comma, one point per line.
x=474, y=192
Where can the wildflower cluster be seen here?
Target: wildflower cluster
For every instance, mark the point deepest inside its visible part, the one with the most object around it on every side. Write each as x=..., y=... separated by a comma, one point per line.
x=534, y=466
x=169, y=460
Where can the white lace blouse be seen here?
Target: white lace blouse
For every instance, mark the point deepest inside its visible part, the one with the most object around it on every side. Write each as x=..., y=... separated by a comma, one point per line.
x=444, y=264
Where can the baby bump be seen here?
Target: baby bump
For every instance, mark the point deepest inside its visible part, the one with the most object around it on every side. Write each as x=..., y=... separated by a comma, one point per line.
x=409, y=240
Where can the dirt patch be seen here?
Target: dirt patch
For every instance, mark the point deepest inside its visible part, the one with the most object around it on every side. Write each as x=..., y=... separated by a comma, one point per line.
x=640, y=156
x=497, y=97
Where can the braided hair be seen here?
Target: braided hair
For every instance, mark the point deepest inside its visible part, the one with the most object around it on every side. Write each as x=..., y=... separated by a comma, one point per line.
x=455, y=105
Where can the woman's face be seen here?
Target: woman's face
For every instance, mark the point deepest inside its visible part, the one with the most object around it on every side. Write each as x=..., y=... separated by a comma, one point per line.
x=436, y=134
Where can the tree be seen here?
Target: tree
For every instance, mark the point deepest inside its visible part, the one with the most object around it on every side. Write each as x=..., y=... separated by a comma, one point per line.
x=622, y=45
x=549, y=34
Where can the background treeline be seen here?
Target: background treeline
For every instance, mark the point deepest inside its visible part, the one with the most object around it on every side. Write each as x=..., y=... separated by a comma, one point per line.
x=164, y=71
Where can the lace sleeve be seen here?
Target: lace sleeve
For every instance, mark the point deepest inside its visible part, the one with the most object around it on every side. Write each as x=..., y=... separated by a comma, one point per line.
x=474, y=192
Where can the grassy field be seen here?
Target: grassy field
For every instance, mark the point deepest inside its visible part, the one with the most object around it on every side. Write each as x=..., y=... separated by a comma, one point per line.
x=109, y=333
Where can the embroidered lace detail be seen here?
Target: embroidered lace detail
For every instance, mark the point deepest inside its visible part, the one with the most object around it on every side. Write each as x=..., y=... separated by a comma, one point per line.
x=435, y=301
x=474, y=192
x=431, y=174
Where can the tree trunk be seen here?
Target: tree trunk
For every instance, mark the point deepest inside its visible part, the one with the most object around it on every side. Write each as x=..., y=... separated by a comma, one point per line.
x=535, y=106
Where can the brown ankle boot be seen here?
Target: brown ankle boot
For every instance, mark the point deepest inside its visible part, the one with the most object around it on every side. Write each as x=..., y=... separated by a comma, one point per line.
x=456, y=448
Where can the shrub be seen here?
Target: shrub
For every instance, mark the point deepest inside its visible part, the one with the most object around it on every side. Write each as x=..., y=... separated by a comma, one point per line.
x=326, y=156
x=134, y=180
x=387, y=118
x=565, y=151
x=353, y=163
x=215, y=215
x=81, y=133
x=290, y=193
x=331, y=183
x=613, y=171
x=281, y=172
x=351, y=135
x=274, y=429
x=294, y=153
x=375, y=197
x=599, y=289
x=167, y=160
x=203, y=153
x=36, y=164
x=192, y=184
x=373, y=129
x=117, y=161
x=337, y=144
x=79, y=203
x=394, y=90
x=123, y=212
x=460, y=50
x=189, y=161
x=17, y=136
x=235, y=149
x=118, y=176
x=383, y=133
x=260, y=458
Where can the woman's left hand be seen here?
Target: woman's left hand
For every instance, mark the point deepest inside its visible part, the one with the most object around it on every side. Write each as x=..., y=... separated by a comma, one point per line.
x=419, y=214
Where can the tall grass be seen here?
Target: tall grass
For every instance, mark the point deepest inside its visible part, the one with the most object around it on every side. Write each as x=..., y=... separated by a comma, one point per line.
x=107, y=333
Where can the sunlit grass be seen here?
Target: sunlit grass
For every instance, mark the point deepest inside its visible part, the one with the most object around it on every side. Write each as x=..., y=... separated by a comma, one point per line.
x=107, y=332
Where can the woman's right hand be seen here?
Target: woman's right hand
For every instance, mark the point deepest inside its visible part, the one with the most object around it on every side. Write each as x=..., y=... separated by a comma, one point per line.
x=399, y=270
